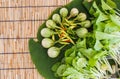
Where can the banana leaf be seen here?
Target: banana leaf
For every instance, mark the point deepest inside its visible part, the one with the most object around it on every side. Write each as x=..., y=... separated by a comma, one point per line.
x=39, y=54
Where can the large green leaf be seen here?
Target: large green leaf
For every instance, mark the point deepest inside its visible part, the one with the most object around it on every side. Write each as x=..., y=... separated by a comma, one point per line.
x=39, y=54
x=42, y=62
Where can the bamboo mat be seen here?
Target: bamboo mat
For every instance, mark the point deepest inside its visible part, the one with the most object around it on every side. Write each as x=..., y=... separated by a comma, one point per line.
x=19, y=21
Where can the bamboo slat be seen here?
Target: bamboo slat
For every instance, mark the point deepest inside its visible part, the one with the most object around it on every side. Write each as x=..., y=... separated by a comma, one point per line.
x=19, y=21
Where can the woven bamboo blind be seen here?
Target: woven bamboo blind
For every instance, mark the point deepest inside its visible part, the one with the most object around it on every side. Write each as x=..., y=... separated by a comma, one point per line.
x=19, y=21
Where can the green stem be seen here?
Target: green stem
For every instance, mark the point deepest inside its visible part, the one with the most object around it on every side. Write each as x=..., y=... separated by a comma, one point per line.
x=69, y=17
x=72, y=27
x=58, y=27
x=78, y=23
x=53, y=37
x=62, y=46
x=61, y=25
x=59, y=40
x=70, y=22
x=75, y=19
x=63, y=19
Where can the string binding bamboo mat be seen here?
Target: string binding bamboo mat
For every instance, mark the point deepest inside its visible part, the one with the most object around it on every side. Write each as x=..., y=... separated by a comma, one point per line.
x=19, y=21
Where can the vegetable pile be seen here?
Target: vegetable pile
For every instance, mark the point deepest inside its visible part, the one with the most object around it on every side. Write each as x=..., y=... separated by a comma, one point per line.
x=63, y=30
x=91, y=43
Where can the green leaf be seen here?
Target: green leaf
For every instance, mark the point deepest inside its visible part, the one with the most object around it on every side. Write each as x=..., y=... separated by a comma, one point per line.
x=68, y=60
x=102, y=17
x=70, y=52
x=81, y=43
x=111, y=3
x=69, y=71
x=55, y=66
x=42, y=62
x=105, y=6
x=98, y=46
x=100, y=26
x=115, y=19
x=111, y=27
x=96, y=57
x=102, y=35
x=100, y=54
x=92, y=62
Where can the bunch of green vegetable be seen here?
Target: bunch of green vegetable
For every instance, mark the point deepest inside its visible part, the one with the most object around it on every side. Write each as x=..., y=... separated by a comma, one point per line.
x=79, y=41
x=107, y=27
x=63, y=29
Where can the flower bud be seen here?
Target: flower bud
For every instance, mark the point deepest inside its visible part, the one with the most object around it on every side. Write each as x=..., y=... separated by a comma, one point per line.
x=46, y=32
x=51, y=24
x=86, y=24
x=74, y=12
x=63, y=12
x=56, y=18
x=53, y=52
x=81, y=17
x=47, y=42
x=81, y=32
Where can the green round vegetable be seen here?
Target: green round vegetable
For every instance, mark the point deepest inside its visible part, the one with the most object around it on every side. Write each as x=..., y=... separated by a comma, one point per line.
x=51, y=24
x=47, y=42
x=53, y=52
x=56, y=18
x=81, y=32
x=86, y=24
x=46, y=32
x=63, y=12
x=81, y=17
x=74, y=12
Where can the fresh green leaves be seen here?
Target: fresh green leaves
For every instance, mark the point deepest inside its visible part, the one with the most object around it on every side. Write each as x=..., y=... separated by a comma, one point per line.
x=107, y=26
x=105, y=32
